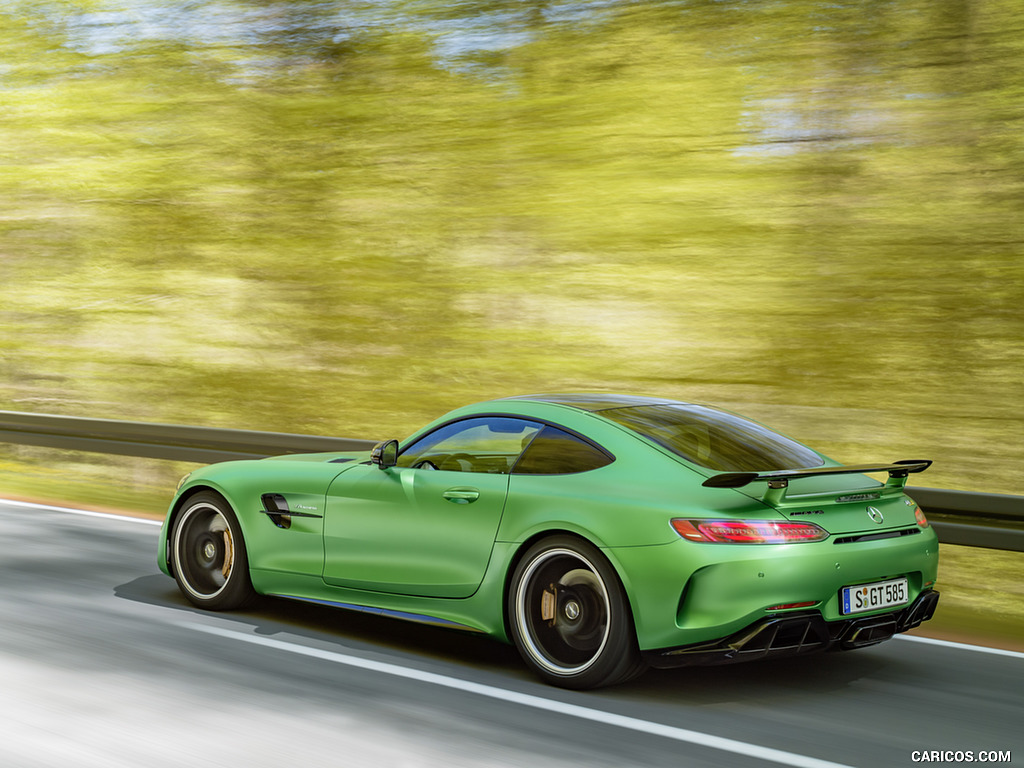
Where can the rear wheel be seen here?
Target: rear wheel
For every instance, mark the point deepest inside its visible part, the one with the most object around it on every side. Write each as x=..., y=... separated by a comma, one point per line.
x=208, y=553
x=569, y=616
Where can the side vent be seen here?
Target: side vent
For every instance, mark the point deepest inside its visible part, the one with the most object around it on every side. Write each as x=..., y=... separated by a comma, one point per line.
x=276, y=507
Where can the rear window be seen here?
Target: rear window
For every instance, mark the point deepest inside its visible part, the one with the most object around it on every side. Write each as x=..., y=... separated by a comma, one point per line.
x=714, y=439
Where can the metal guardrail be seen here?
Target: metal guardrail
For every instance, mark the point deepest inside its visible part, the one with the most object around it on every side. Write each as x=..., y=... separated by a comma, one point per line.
x=988, y=520
x=204, y=445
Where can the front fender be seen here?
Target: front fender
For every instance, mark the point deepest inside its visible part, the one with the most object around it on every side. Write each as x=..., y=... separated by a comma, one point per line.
x=294, y=548
x=204, y=479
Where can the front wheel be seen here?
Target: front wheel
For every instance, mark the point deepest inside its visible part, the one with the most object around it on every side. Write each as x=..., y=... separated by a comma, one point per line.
x=208, y=555
x=569, y=616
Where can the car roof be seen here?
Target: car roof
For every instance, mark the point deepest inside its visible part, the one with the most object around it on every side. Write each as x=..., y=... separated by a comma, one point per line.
x=597, y=401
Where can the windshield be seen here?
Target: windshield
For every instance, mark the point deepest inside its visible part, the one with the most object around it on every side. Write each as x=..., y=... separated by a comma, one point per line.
x=715, y=439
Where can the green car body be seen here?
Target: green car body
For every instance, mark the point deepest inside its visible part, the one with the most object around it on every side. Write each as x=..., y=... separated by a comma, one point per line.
x=599, y=533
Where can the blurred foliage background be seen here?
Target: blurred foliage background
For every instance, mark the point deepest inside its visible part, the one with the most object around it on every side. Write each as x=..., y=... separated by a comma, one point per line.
x=346, y=218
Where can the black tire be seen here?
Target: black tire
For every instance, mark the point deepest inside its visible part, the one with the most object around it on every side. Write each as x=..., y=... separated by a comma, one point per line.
x=208, y=555
x=569, y=616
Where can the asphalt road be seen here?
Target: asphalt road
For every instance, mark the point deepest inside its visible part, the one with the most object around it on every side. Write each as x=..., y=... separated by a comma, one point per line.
x=103, y=663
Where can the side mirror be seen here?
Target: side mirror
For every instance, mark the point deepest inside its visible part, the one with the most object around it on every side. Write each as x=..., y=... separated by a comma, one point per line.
x=385, y=454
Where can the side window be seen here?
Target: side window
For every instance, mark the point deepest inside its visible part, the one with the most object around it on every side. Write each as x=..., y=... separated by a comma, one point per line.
x=556, y=452
x=486, y=444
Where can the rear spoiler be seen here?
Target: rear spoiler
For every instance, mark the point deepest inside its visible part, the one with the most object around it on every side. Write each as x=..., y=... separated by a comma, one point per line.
x=778, y=480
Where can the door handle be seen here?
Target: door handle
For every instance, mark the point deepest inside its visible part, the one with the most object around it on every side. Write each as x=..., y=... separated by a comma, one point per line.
x=461, y=495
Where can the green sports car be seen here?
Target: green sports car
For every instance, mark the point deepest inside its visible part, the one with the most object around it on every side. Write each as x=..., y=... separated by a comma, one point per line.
x=601, y=534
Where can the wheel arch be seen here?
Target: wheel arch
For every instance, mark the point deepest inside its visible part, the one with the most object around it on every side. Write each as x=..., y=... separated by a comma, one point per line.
x=524, y=547
x=179, y=504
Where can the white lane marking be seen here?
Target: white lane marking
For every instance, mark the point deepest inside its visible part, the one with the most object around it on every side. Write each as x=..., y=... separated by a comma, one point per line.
x=961, y=646
x=85, y=512
x=525, y=699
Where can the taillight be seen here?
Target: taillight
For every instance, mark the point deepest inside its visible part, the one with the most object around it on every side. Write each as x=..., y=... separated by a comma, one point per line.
x=921, y=519
x=748, y=531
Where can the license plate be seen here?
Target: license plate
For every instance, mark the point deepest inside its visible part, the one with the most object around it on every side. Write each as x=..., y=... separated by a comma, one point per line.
x=873, y=597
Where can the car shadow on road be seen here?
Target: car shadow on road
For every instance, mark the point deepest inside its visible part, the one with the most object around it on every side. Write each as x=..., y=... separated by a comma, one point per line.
x=350, y=631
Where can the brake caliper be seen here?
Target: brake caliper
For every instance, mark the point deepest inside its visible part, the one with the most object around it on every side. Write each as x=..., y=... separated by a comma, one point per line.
x=548, y=601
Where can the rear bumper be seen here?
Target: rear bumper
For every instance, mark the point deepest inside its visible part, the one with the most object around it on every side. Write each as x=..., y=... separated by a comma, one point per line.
x=797, y=633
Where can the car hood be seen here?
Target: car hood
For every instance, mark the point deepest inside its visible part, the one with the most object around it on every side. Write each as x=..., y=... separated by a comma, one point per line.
x=340, y=458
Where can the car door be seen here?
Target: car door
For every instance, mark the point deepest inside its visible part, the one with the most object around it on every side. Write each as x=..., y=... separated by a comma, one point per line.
x=426, y=526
